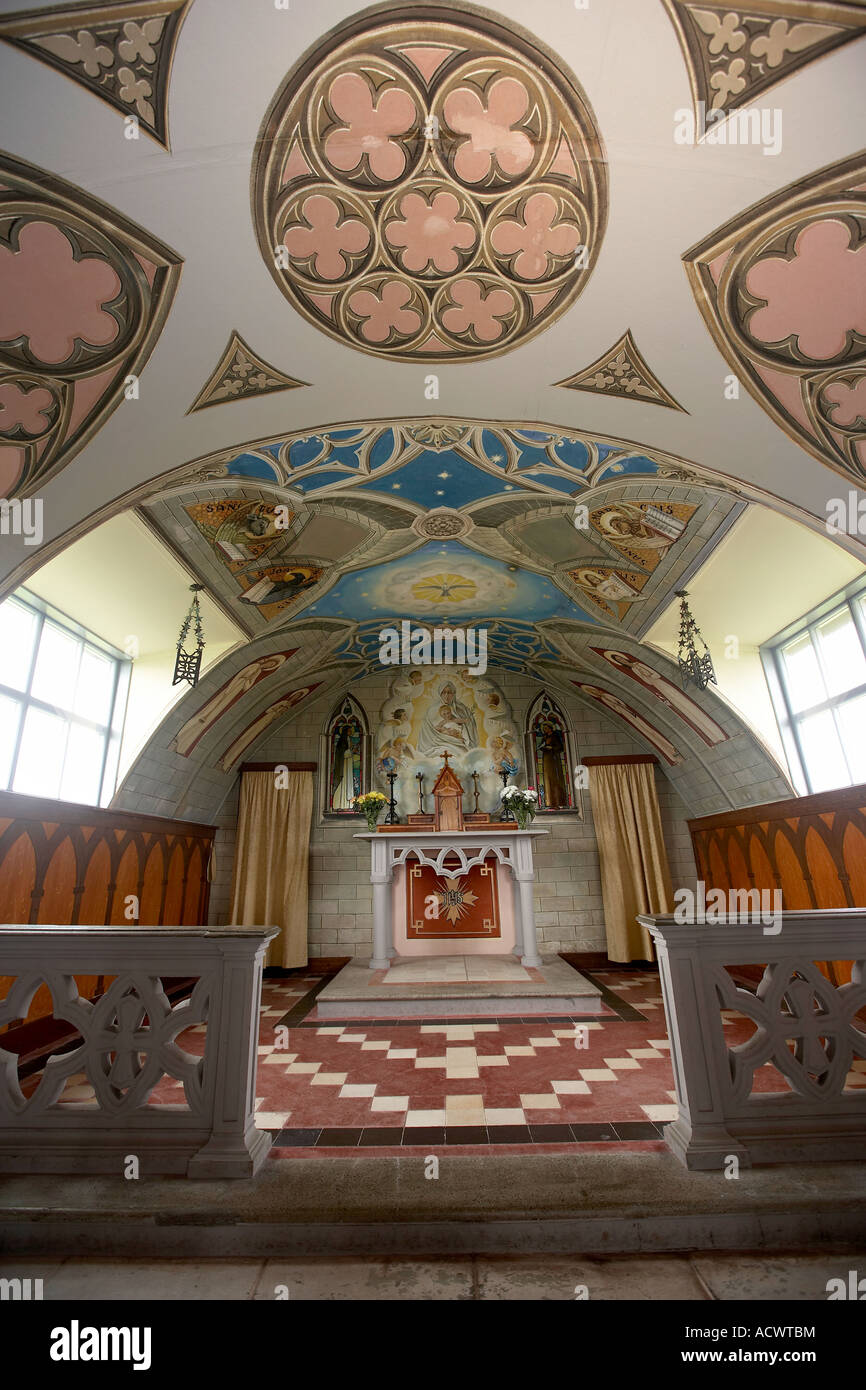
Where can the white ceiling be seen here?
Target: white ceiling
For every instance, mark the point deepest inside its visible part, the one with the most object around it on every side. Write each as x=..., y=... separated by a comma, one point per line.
x=664, y=197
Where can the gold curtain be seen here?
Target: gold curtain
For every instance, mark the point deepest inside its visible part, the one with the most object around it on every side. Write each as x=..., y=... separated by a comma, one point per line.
x=635, y=876
x=270, y=884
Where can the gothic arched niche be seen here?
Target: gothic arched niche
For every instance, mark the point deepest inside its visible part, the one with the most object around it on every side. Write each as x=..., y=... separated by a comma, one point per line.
x=346, y=742
x=550, y=756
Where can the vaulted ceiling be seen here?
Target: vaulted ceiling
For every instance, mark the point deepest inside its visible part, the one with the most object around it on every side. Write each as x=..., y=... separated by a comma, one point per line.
x=411, y=312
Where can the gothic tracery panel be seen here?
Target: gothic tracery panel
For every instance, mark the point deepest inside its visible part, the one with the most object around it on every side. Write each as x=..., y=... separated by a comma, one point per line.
x=84, y=294
x=122, y=52
x=428, y=187
x=782, y=288
x=734, y=53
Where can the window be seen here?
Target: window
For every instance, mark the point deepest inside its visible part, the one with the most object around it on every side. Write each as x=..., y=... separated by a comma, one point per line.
x=62, y=701
x=816, y=671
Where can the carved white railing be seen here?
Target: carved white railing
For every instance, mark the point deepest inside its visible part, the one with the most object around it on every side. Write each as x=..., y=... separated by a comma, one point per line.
x=129, y=1043
x=804, y=1025
x=511, y=847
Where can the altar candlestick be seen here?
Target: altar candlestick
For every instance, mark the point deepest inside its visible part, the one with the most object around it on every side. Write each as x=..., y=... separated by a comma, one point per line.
x=506, y=813
x=391, y=818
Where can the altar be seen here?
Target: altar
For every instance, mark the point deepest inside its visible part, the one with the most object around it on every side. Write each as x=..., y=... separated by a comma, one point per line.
x=400, y=910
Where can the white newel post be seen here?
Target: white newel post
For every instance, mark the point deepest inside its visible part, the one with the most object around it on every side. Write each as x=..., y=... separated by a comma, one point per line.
x=805, y=1026
x=129, y=1043
x=234, y=1141
x=512, y=848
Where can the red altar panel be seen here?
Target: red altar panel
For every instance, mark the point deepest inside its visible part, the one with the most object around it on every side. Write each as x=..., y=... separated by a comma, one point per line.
x=451, y=904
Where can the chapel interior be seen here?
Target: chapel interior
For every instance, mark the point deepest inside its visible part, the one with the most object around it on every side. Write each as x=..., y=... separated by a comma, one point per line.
x=433, y=641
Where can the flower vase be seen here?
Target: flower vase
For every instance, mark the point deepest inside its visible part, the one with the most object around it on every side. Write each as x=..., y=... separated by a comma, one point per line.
x=521, y=815
x=372, y=814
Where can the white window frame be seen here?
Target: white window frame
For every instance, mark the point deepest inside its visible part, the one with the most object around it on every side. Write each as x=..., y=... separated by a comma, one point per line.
x=777, y=680
x=111, y=731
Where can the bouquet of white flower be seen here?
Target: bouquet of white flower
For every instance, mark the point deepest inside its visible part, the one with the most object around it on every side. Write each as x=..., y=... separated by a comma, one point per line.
x=522, y=801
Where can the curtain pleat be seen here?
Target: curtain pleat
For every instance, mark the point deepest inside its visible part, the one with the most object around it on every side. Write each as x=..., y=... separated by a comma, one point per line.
x=270, y=883
x=635, y=876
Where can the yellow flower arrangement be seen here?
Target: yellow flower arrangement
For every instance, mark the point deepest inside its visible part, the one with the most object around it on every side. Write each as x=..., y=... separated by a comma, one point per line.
x=370, y=804
x=370, y=799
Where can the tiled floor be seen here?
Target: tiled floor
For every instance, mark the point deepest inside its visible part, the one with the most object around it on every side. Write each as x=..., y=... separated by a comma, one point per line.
x=658, y=1278
x=538, y=1080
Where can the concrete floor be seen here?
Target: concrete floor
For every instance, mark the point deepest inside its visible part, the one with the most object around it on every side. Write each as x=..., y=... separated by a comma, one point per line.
x=601, y=1203
x=658, y=1278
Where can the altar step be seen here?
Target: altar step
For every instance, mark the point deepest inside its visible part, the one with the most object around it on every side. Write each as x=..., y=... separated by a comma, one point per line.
x=458, y=986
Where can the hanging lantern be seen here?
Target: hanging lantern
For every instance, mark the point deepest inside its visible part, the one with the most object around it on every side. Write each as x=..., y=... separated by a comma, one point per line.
x=187, y=665
x=695, y=666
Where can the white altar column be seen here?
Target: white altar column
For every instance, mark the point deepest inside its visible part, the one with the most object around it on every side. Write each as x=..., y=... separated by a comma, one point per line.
x=510, y=846
x=383, y=925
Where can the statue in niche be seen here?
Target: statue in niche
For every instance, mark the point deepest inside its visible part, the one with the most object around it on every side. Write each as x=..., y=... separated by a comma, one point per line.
x=346, y=751
x=448, y=725
x=550, y=755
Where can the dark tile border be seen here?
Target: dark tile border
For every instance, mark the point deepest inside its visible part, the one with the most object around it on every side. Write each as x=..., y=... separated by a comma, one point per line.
x=625, y=1012
x=299, y=1010
x=444, y=1136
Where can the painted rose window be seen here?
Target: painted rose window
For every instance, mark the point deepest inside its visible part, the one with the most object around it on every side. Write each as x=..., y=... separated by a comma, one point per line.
x=431, y=190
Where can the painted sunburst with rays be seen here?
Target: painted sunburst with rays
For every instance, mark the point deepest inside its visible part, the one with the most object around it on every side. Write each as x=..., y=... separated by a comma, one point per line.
x=436, y=588
x=454, y=902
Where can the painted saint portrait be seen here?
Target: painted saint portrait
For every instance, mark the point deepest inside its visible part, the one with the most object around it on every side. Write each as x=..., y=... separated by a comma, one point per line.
x=613, y=590
x=550, y=753
x=642, y=531
x=346, y=754
x=667, y=692
x=432, y=711
x=239, y=531
x=236, y=750
x=449, y=724
x=227, y=695
x=274, y=589
x=649, y=731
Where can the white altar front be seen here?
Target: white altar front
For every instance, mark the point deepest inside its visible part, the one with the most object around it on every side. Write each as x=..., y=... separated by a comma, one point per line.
x=507, y=844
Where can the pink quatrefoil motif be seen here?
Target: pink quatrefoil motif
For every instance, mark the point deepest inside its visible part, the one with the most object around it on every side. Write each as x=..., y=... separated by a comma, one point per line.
x=430, y=232
x=819, y=296
x=368, y=127
x=24, y=408
x=49, y=297
x=490, y=130
x=385, y=312
x=327, y=237
x=537, y=238
x=479, y=311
